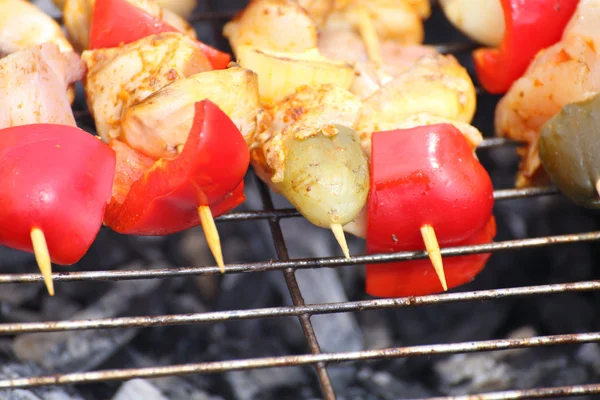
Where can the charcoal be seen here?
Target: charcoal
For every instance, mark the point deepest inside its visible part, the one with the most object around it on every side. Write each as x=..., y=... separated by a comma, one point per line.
x=387, y=387
x=376, y=329
x=515, y=369
x=17, y=314
x=265, y=383
x=85, y=350
x=336, y=332
x=138, y=389
x=16, y=261
x=194, y=248
x=447, y=323
x=356, y=393
x=148, y=248
x=58, y=307
x=17, y=294
x=473, y=373
x=589, y=354
x=259, y=383
x=19, y=394
x=557, y=316
x=175, y=388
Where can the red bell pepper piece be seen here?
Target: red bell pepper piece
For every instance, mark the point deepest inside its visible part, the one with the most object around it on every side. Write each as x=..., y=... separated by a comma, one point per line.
x=530, y=26
x=56, y=178
x=162, y=197
x=425, y=175
x=116, y=22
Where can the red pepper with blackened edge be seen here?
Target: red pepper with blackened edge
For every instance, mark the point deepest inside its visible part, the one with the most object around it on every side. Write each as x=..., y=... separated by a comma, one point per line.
x=530, y=26
x=117, y=22
x=161, y=197
x=426, y=175
x=56, y=183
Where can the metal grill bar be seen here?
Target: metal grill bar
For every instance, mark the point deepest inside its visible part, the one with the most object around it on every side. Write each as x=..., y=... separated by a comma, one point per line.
x=295, y=311
x=501, y=194
x=301, y=263
x=299, y=360
x=292, y=284
x=541, y=393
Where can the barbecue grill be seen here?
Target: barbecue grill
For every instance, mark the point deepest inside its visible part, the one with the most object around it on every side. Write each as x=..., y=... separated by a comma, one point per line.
x=210, y=19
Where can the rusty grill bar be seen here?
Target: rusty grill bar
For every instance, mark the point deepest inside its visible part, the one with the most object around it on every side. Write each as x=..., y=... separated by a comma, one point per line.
x=304, y=311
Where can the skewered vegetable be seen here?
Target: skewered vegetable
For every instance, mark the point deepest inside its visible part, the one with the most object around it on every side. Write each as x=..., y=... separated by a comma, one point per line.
x=24, y=25
x=160, y=197
x=282, y=73
x=436, y=85
x=569, y=148
x=560, y=74
x=304, y=128
x=326, y=176
x=77, y=16
x=157, y=125
x=482, y=21
x=371, y=34
x=171, y=62
x=56, y=181
x=438, y=187
x=530, y=27
x=116, y=22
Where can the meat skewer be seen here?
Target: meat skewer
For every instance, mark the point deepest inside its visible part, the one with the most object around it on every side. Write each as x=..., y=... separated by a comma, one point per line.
x=154, y=55
x=392, y=92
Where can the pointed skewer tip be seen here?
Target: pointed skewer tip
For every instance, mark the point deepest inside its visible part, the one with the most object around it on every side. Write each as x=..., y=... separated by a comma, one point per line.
x=433, y=249
x=42, y=256
x=212, y=235
x=338, y=232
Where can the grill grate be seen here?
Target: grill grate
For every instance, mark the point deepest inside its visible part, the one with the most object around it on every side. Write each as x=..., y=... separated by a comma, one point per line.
x=303, y=311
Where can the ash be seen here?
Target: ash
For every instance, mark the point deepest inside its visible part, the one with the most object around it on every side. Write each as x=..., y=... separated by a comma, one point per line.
x=28, y=355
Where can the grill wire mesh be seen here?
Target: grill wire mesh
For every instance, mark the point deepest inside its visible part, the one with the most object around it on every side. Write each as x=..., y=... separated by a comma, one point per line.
x=214, y=15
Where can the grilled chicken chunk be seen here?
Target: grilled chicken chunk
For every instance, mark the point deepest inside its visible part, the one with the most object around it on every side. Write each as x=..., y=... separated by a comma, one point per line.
x=77, y=15
x=24, y=25
x=157, y=125
x=277, y=25
x=34, y=84
x=120, y=77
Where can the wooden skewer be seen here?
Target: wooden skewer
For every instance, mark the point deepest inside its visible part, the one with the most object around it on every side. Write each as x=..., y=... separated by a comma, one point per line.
x=338, y=232
x=212, y=235
x=368, y=33
x=433, y=249
x=42, y=256
x=210, y=230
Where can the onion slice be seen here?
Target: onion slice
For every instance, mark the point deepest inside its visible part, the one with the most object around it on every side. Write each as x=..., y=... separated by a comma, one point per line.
x=280, y=74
